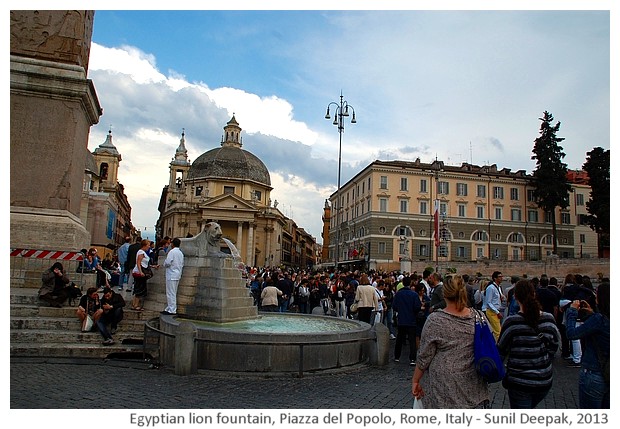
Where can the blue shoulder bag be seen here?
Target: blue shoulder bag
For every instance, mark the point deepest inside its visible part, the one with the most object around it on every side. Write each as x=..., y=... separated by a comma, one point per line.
x=487, y=360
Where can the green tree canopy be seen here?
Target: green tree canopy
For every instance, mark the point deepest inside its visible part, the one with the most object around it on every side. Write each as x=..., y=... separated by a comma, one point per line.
x=597, y=167
x=551, y=187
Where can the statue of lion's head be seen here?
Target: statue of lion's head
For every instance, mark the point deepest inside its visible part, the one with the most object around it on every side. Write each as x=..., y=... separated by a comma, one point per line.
x=214, y=234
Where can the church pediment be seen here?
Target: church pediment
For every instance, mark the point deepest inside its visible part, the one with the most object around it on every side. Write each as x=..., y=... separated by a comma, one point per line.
x=229, y=202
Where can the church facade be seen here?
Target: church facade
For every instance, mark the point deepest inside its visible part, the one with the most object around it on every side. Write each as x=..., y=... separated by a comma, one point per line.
x=232, y=187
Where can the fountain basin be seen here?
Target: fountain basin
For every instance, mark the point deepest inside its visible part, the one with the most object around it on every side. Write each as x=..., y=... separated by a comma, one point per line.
x=272, y=343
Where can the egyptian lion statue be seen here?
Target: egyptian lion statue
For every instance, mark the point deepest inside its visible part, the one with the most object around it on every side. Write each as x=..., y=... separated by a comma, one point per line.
x=207, y=243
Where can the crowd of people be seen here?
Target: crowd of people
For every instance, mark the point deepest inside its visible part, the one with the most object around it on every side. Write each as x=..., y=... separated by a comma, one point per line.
x=531, y=319
x=129, y=270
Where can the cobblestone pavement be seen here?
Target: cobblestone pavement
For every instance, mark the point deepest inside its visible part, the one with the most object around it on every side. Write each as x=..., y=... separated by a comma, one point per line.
x=38, y=383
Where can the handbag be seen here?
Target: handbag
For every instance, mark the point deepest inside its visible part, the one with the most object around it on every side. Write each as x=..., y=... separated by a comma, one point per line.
x=487, y=360
x=87, y=323
x=354, y=306
x=148, y=272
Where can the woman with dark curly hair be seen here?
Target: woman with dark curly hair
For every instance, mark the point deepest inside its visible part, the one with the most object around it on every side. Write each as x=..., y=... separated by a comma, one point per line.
x=529, y=338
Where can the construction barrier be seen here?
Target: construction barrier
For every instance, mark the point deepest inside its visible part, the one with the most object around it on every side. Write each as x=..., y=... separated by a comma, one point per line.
x=27, y=266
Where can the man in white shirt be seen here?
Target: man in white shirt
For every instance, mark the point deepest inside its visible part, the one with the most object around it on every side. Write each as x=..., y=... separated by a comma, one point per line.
x=174, y=269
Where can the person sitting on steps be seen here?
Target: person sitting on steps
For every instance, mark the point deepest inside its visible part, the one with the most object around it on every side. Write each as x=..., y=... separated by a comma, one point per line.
x=55, y=287
x=112, y=304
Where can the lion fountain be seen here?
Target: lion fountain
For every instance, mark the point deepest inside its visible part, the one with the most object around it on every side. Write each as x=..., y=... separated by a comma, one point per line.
x=219, y=328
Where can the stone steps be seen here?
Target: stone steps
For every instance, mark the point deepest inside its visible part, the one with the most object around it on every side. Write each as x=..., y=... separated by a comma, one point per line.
x=38, y=330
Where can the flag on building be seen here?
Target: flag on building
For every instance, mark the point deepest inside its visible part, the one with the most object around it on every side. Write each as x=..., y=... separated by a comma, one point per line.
x=436, y=221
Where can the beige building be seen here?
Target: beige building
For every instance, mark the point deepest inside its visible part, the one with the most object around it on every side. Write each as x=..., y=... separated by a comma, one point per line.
x=105, y=209
x=387, y=216
x=232, y=186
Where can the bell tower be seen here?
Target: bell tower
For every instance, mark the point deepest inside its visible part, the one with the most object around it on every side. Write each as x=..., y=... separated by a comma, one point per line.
x=179, y=166
x=232, y=134
x=107, y=158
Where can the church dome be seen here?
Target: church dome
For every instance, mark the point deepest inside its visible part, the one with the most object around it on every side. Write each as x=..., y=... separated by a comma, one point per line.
x=230, y=161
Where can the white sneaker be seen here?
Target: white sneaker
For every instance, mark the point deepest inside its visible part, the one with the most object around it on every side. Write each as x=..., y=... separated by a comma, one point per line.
x=392, y=337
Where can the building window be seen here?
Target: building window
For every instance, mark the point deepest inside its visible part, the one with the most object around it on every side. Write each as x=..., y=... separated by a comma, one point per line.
x=443, y=208
x=403, y=206
x=547, y=240
x=481, y=191
x=530, y=196
x=462, y=212
x=480, y=212
x=461, y=189
x=461, y=234
x=422, y=250
x=442, y=251
x=422, y=233
x=381, y=246
x=403, y=230
x=548, y=217
x=565, y=218
x=480, y=236
x=404, y=186
x=532, y=215
x=498, y=213
x=382, y=230
x=198, y=191
x=383, y=205
x=479, y=252
x=258, y=195
x=583, y=219
x=515, y=237
x=514, y=194
x=229, y=189
x=498, y=237
x=384, y=182
x=498, y=192
x=515, y=214
x=423, y=185
x=460, y=252
x=423, y=207
x=368, y=208
x=497, y=254
x=579, y=200
x=582, y=238
x=443, y=188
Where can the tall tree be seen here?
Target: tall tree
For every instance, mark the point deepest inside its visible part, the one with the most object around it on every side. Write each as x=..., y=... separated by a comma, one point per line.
x=551, y=187
x=597, y=167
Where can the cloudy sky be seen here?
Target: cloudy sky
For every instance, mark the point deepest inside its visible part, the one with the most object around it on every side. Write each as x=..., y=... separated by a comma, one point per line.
x=462, y=86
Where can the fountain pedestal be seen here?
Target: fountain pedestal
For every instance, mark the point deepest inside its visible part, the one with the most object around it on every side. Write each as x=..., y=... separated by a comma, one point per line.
x=212, y=289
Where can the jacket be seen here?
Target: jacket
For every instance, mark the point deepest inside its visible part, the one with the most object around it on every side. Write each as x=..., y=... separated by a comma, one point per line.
x=367, y=297
x=407, y=304
x=49, y=282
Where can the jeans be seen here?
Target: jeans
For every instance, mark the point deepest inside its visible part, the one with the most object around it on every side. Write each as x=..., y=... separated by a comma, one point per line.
x=593, y=391
x=284, y=306
x=525, y=400
x=576, y=347
x=409, y=333
x=387, y=320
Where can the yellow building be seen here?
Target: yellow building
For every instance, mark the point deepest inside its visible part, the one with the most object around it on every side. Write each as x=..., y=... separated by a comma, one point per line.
x=232, y=186
x=387, y=215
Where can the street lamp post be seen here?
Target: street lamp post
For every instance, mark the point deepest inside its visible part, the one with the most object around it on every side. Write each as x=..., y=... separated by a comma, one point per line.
x=342, y=111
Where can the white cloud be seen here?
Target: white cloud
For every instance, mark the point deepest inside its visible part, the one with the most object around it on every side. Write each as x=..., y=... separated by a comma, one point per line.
x=145, y=108
x=127, y=60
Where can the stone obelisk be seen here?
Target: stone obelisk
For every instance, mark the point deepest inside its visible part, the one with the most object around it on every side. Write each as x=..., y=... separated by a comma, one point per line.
x=53, y=106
